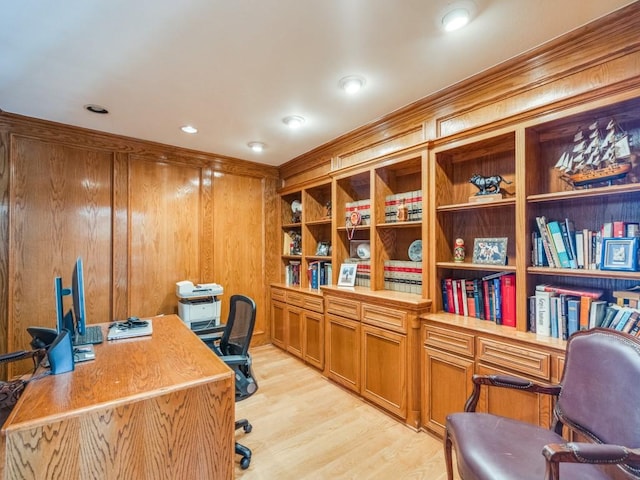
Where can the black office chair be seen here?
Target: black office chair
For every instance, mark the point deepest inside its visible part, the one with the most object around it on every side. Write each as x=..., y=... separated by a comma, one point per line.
x=233, y=348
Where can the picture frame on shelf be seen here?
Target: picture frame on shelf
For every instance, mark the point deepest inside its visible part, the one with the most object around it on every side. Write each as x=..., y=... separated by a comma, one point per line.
x=323, y=249
x=620, y=253
x=347, y=276
x=490, y=251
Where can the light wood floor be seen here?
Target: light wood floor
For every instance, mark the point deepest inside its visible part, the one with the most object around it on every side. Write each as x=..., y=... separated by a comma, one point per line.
x=305, y=427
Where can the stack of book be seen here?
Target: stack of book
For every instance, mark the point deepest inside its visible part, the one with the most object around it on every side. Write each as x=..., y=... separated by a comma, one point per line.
x=412, y=200
x=319, y=273
x=492, y=297
x=292, y=273
x=363, y=207
x=558, y=244
x=403, y=276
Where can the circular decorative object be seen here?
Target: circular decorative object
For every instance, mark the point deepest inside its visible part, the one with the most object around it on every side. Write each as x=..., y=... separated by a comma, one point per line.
x=296, y=206
x=363, y=251
x=415, y=251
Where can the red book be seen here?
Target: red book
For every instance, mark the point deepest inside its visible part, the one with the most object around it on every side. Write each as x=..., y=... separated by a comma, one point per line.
x=577, y=292
x=449, y=286
x=508, y=287
x=619, y=229
x=487, y=306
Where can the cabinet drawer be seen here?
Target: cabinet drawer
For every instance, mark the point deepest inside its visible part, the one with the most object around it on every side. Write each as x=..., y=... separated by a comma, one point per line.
x=313, y=303
x=453, y=342
x=343, y=307
x=296, y=299
x=278, y=295
x=515, y=358
x=385, y=317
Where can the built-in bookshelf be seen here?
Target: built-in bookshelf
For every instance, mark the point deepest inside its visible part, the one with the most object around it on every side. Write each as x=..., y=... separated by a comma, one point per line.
x=526, y=157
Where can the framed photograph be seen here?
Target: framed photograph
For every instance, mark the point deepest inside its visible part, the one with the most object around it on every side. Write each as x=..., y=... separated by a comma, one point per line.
x=347, y=277
x=322, y=250
x=490, y=251
x=620, y=254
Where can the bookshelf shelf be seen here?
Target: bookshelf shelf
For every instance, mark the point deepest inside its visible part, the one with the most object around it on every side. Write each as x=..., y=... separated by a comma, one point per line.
x=476, y=205
x=570, y=272
x=394, y=225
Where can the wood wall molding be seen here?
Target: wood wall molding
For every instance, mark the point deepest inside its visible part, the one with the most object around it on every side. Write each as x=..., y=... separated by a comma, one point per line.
x=600, y=53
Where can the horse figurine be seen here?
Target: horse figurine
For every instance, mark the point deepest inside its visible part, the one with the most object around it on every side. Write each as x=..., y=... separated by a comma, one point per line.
x=487, y=185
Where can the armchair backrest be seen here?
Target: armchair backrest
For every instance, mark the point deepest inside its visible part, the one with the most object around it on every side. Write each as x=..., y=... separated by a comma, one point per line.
x=601, y=388
x=236, y=337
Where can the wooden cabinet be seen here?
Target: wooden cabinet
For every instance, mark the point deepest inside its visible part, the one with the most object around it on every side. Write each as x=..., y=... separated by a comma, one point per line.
x=372, y=345
x=297, y=324
x=456, y=348
x=447, y=367
x=343, y=351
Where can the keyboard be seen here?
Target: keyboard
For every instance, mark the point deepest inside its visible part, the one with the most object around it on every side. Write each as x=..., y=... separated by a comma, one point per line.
x=92, y=335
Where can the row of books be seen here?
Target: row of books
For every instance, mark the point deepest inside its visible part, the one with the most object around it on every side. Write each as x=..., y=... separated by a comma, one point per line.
x=491, y=298
x=560, y=312
x=412, y=200
x=558, y=244
x=363, y=271
x=292, y=273
x=363, y=207
x=319, y=273
x=403, y=276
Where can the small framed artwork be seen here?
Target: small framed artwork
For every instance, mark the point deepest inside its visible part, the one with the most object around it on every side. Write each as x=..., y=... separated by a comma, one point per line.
x=490, y=251
x=322, y=250
x=347, y=277
x=620, y=254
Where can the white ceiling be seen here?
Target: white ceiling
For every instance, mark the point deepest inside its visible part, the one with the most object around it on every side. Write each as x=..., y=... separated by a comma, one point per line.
x=235, y=68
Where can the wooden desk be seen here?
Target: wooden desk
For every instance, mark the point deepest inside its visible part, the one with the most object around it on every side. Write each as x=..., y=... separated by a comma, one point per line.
x=158, y=407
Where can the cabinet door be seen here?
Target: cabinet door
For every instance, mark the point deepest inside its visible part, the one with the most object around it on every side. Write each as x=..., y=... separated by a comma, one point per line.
x=278, y=321
x=525, y=406
x=446, y=386
x=343, y=352
x=294, y=330
x=384, y=369
x=314, y=339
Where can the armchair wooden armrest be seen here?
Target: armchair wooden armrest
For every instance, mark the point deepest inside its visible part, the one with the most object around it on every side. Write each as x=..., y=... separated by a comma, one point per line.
x=506, y=381
x=578, y=452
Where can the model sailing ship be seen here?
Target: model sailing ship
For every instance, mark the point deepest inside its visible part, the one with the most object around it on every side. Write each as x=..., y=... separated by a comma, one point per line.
x=596, y=156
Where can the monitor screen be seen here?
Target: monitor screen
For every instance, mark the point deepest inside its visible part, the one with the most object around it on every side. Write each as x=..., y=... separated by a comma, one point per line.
x=77, y=290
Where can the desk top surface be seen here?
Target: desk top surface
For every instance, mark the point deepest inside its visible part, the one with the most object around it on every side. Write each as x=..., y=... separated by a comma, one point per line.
x=125, y=370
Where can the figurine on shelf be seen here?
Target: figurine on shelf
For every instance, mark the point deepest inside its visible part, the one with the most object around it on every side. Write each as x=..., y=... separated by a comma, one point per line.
x=327, y=209
x=296, y=243
x=487, y=185
x=403, y=211
x=458, y=250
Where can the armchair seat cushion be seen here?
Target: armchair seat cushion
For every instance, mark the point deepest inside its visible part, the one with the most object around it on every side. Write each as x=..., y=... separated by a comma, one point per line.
x=508, y=454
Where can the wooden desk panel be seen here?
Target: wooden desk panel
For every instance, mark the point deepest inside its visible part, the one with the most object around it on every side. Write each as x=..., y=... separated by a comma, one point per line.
x=153, y=407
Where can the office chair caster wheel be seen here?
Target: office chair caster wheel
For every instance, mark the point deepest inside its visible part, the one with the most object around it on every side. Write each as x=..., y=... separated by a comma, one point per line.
x=247, y=428
x=244, y=463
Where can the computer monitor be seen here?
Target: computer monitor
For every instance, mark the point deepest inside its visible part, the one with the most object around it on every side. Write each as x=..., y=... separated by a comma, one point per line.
x=64, y=321
x=77, y=290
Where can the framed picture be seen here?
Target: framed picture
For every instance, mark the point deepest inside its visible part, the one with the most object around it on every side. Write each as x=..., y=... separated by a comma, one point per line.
x=347, y=277
x=322, y=250
x=620, y=254
x=490, y=251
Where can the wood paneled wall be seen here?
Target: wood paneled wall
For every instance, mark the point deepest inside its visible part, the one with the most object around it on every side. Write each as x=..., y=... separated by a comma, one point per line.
x=141, y=215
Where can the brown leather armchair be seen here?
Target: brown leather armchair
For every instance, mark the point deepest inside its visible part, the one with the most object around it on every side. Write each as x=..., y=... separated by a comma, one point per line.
x=598, y=400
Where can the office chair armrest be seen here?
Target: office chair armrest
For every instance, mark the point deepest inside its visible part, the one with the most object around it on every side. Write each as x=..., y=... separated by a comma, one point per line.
x=235, y=359
x=575, y=452
x=206, y=336
x=506, y=381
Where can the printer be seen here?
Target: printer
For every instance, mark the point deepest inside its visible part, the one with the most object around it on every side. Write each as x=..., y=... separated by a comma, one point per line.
x=199, y=306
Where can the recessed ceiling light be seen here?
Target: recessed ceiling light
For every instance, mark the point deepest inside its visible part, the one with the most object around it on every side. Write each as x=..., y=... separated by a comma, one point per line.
x=456, y=19
x=189, y=129
x=93, y=108
x=256, y=146
x=293, y=121
x=351, y=84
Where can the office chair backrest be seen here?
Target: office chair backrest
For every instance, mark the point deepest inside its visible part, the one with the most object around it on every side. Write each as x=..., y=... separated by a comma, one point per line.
x=600, y=387
x=237, y=334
